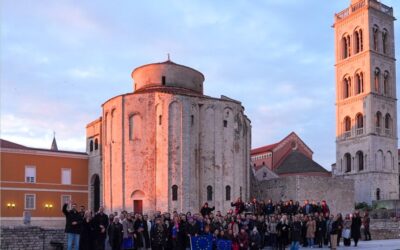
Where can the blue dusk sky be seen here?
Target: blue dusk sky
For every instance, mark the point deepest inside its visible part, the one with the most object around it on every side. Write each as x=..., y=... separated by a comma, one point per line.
x=60, y=60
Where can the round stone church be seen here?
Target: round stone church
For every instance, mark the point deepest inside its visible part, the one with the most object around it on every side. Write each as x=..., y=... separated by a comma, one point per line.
x=168, y=147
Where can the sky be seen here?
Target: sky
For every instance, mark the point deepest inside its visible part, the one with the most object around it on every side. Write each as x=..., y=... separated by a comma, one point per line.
x=61, y=60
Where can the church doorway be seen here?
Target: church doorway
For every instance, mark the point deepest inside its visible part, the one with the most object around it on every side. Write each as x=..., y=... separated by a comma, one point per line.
x=138, y=206
x=137, y=201
x=95, y=194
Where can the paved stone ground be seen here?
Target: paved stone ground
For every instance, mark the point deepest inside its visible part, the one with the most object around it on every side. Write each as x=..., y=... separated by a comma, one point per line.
x=368, y=245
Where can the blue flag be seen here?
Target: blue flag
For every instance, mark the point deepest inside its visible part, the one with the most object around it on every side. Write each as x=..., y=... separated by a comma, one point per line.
x=202, y=242
x=224, y=245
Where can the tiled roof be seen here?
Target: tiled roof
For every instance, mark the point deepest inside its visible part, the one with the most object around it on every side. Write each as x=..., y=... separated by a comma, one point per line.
x=12, y=145
x=272, y=146
x=297, y=162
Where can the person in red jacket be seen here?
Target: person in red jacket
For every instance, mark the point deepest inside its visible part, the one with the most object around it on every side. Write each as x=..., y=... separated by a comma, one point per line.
x=243, y=239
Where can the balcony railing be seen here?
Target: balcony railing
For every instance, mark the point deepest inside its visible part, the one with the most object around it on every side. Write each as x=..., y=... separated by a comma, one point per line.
x=371, y=3
x=359, y=131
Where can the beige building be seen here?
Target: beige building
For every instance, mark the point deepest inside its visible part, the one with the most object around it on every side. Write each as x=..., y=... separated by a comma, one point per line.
x=366, y=104
x=166, y=146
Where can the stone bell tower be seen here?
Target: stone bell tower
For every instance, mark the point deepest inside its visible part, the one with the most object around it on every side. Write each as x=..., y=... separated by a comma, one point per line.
x=366, y=104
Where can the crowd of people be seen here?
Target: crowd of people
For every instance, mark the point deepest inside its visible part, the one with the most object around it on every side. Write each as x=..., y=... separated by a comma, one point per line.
x=252, y=225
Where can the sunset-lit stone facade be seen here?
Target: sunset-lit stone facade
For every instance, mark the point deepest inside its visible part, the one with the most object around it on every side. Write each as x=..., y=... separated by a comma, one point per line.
x=366, y=104
x=166, y=146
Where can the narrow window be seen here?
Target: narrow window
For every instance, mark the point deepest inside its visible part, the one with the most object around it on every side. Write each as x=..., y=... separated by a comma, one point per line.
x=360, y=33
x=96, y=144
x=378, y=194
x=348, y=46
x=209, y=193
x=360, y=160
x=384, y=41
x=376, y=81
x=375, y=37
x=225, y=123
x=347, y=158
x=388, y=123
x=174, y=192
x=30, y=201
x=131, y=127
x=378, y=119
x=91, y=146
x=228, y=193
x=344, y=44
x=66, y=176
x=163, y=80
x=30, y=174
x=347, y=124
x=359, y=83
x=347, y=87
x=159, y=119
x=192, y=120
x=360, y=121
x=356, y=42
x=386, y=83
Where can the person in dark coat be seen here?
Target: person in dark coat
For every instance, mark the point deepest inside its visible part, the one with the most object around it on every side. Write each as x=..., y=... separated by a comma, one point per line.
x=142, y=238
x=320, y=230
x=269, y=208
x=356, y=227
x=339, y=222
x=158, y=235
x=100, y=222
x=86, y=241
x=334, y=232
x=206, y=210
x=243, y=239
x=295, y=232
x=283, y=232
x=72, y=226
x=116, y=234
x=366, y=221
x=255, y=239
x=239, y=206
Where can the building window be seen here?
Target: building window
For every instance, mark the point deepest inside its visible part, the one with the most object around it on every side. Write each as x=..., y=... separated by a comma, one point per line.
x=347, y=87
x=131, y=127
x=30, y=201
x=375, y=30
x=360, y=160
x=347, y=126
x=96, y=144
x=30, y=174
x=91, y=146
x=378, y=194
x=174, y=192
x=386, y=83
x=384, y=40
x=192, y=120
x=346, y=46
x=228, y=193
x=225, y=123
x=163, y=80
x=377, y=74
x=358, y=41
x=209, y=193
x=347, y=160
x=66, y=176
x=65, y=199
x=359, y=83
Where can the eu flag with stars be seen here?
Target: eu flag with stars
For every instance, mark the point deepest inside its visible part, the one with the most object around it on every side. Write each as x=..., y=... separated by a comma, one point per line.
x=224, y=245
x=201, y=242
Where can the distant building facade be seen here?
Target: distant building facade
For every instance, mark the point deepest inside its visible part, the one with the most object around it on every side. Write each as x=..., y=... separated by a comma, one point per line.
x=167, y=146
x=366, y=104
x=39, y=181
x=288, y=157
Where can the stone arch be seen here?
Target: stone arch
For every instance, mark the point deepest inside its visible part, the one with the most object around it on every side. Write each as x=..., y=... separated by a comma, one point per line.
x=95, y=192
x=137, y=197
x=379, y=160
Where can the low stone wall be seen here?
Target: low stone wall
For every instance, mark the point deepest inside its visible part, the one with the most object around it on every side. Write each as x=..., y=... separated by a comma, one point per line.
x=30, y=237
x=384, y=229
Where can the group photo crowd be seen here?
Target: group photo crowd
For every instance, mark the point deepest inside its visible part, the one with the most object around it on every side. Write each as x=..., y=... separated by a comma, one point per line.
x=248, y=225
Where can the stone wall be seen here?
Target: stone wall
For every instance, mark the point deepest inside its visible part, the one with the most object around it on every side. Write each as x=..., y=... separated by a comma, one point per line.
x=384, y=229
x=338, y=192
x=30, y=237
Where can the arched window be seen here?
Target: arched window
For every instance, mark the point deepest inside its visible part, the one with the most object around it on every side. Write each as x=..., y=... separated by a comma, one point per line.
x=360, y=123
x=347, y=87
x=347, y=160
x=384, y=40
x=347, y=124
x=359, y=83
x=388, y=124
x=375, y=30
x=346, y=46
x=360, y=160
x=174, y=192
x=131, y=127
x=209, y=193
x=228, y=193
x=386, y=83
x=96, y=144
x=91, y=145
x=378, y=122
x=358, y=41
x=378, y=194
x=377, y=74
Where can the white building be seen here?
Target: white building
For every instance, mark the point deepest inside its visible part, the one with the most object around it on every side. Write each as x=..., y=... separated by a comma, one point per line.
x=366, y=104
x=166, y=146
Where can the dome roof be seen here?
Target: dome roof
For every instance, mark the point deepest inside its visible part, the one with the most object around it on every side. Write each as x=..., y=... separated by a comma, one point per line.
x=167, y=74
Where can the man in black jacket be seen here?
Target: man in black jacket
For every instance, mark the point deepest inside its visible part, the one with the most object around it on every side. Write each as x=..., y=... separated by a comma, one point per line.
x=101, y=222
x=72, y=226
